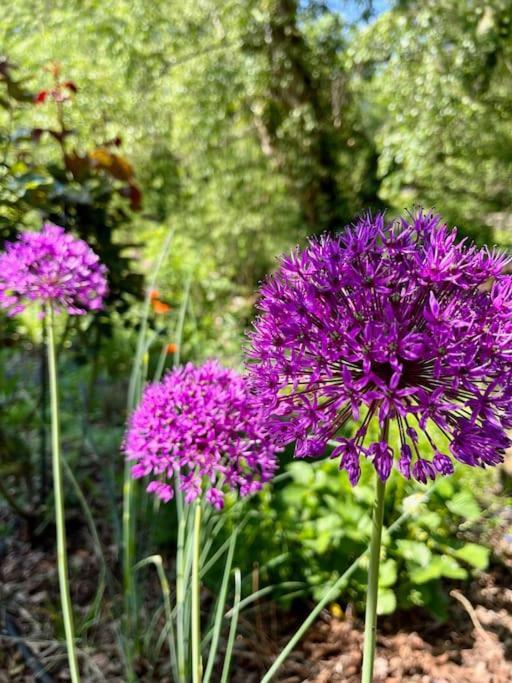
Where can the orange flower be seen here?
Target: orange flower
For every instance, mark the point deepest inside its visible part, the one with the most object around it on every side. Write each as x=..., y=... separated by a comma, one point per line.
x=160, y=306
x=172, y=348
x=157, y=304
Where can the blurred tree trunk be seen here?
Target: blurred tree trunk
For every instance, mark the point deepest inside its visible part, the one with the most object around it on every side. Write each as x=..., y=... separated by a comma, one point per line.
x=299, y=120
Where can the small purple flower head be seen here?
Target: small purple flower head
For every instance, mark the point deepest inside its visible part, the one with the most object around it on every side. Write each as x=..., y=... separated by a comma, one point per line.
x=422, y=470
x=382, y=458
x=201, y=427
x=443, y=463
x=54, y=267
x=397, y=324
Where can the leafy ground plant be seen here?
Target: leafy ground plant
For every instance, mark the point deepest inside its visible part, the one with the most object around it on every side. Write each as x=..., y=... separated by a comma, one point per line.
x=302, y=532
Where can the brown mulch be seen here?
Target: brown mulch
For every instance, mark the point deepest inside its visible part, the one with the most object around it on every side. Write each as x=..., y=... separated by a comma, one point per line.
x=474, y=646
x=332, y=654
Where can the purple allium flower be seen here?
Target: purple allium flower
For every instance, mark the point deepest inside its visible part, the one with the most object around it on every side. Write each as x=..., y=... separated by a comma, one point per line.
x=54, y=267
x=397, y=323
x=201, y=425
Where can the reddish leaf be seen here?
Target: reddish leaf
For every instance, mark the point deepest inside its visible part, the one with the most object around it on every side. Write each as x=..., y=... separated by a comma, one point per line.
x=41, y=96
x=36, y=133
x=135, y=196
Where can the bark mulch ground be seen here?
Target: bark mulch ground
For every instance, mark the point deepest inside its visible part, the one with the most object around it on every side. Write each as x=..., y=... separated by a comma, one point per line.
x=473, y=646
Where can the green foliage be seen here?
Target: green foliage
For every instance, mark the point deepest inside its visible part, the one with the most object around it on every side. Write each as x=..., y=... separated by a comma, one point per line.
x=254, y=124
x=436, y=78
x=239, y=118
x=318, y=525
x=44, y=177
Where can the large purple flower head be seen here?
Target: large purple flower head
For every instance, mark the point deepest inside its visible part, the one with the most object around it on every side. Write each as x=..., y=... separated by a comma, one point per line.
x=54, y=267
x=399, y=324
x=201, y=426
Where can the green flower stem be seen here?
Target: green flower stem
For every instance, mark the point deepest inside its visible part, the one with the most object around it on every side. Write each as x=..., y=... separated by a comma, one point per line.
x=128, y=578
x=232, y=628
x=196, y=603
x=370, y=622
x=62, y=561
x=128, y=540
x=156, y=560
x=180, y=591
x=219, y=612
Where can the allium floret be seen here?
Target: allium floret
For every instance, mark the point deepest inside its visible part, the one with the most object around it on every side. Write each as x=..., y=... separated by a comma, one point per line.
x=200, y=428
x=398, y=323
x=51, y=267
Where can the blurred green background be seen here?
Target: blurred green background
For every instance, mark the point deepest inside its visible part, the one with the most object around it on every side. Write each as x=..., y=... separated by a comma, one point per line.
x=242, y=128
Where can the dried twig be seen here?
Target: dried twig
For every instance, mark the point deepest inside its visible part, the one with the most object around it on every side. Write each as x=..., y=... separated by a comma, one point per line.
x=472, y=614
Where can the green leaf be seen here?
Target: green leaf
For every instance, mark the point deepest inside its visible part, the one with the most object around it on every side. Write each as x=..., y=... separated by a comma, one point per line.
x=320, y=544
x=432, y=597
x=421, y=575
x=386, y=603
x=28, y=181
x=450, y=568
x=474, y=554
x=444, y=488
x=440, y=566
x=432, y=520
x=329, y=523
x=387, y=573
x=414, y=551
x=302, y=473
x=293, y=495
x=464, y=504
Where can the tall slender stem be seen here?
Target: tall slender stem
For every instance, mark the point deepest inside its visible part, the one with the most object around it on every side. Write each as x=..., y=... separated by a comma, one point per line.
x=128, y=578
x=128, y=540
x=196, y=605
x=130, y=630
x=180, y=590
x=370, y=622
x=62, y=561
x=43, y=424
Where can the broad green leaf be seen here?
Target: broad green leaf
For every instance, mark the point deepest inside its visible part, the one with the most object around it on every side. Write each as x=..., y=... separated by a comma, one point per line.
x=320, y=544
x=302, y=473
x=432, y=520
x=440, y=566
x=387, y=573
x=294, y=495
x=474, y=554
x=386, y=603
x=414, y=551
x=431, y=596
x=450, y=568
x=464, y=504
